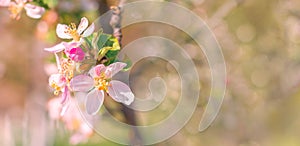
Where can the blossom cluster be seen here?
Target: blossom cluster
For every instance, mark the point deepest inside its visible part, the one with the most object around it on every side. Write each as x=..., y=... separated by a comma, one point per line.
x=16, y=7
x=85, y=64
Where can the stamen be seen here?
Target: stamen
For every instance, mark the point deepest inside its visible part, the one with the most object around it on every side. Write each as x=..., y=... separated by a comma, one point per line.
x=67, y=69
x=56, y=88
x=72, y=30
x=101, y=83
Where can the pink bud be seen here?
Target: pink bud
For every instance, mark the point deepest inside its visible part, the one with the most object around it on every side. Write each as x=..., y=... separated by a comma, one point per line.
x=76, y=54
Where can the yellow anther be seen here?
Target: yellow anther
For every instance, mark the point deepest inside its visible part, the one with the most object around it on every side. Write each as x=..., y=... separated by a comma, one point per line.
x=56, y=88
x=101, y=83
x=72, y=30
x=67, y=69
x=56, y=93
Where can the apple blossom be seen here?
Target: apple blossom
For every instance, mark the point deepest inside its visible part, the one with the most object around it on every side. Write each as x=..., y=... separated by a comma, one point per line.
x=98, y=82
x=71, y=32
x=72, y=119
x=17, y=7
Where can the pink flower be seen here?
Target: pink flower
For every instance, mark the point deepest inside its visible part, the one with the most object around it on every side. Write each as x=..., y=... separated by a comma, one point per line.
x=72, y=120
x=71, y=49
x=16, y=8
x=59, y=83
x=71, y=32
x=99, y=82
x=82, y=135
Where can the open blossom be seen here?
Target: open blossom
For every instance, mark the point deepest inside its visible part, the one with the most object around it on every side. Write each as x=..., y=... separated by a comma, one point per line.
x=72, y=119
x=71, y=32
x=98, y=82
x=59, y=83
x=17, y=7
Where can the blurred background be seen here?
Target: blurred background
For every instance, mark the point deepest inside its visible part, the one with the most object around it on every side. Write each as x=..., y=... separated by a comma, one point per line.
x=260, y=41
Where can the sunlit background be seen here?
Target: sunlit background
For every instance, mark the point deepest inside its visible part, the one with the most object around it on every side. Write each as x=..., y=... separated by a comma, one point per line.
x=260, y=41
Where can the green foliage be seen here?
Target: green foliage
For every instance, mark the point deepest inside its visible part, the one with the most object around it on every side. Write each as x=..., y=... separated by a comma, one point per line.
x=50, y=3
x=42, y=3
x=102, y=46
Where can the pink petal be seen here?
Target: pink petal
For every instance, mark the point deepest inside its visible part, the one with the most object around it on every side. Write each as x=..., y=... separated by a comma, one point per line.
x=114, y=68
x=77, y=138
x=94, y=101
x=57, y=48
x=4, y=3
x=61, y=31
x=65, y=95
x=89, y=30
x=85, y=129
x=83, y=25
x=34, y=11
x=54, y=108
x=97, y=70
x=120, y=92
x=82, y=83
x=65, y=108
x=70, y=45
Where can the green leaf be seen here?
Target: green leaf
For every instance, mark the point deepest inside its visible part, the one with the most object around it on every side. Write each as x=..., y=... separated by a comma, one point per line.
x=116, y=45
x=102, y=52
x=101, y=40
x=41, y=3
x=87, y=44
x=111, y=56
x=51, y=3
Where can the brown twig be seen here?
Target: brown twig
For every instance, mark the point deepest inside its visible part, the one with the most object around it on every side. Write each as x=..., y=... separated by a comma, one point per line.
x=115, y=22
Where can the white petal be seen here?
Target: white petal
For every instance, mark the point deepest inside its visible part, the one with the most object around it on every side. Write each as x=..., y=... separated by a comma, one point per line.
x=61, y=31
x=89, y=30
x=59, y=79
x=57, y=61
x=94, y=101
x=84, y=23
x=82, y=83
x=21, y=1
x=4, y=3
x=114, y=68
x=57, y=48
x=120, y=92
x=34, y=11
